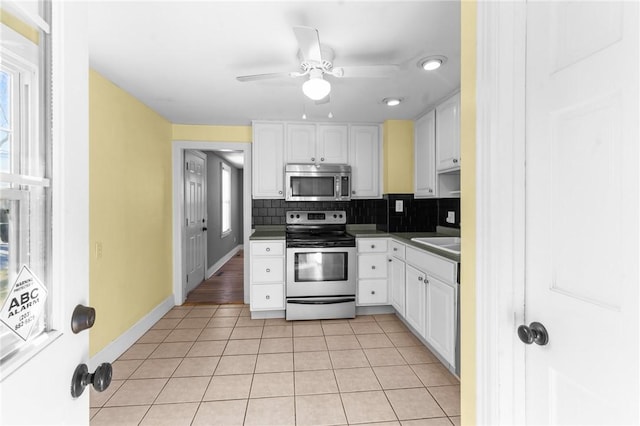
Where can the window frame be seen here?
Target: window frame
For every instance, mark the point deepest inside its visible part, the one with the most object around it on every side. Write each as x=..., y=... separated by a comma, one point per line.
x=225, y=203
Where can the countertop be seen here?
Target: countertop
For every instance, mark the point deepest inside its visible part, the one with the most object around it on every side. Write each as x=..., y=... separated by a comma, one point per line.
x=277, y=232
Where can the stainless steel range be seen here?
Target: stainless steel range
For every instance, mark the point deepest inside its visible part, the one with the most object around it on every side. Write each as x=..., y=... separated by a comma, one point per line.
x=321, y=266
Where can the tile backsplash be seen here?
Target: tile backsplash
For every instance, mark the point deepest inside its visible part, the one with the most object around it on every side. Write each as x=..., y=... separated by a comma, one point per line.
x=417, y=215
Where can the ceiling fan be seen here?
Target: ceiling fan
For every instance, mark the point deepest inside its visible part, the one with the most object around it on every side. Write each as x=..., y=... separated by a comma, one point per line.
x=317, y=61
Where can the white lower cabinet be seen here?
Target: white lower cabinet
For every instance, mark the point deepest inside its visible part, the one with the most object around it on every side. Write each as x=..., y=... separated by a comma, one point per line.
x=267, y=275
x=440, y=318
x=415, y=305
x=430, y=304
x=373, y=275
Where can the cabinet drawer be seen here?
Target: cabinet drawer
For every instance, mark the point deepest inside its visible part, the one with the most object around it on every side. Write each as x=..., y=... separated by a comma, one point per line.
x=269, y=248
x=397, y=250
x=372, y=292
x=267, y=296
x=372, y=266
x=431, y=264
x=267, y=269
x=372, y=245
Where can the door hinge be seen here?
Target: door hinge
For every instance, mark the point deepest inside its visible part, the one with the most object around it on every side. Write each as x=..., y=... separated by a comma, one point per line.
x=187, y=278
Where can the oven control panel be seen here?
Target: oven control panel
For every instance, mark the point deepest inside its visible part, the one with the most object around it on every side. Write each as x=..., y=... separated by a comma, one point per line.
x=316, y=217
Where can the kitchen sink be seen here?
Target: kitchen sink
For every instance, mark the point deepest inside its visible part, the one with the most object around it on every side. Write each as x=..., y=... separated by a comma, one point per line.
x=450, y=244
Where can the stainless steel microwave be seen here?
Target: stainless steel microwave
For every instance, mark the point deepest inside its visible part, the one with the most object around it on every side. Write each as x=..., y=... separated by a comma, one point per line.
x=321, y=182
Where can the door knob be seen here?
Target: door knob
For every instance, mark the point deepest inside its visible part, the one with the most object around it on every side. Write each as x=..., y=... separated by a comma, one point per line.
x=204, y=228
x=100, y=379
x=534, y=333
x=83, y=317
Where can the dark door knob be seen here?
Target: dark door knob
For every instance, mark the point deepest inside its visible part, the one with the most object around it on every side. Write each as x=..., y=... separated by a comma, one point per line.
x=534, y=333
x=204, y=229
x=83, y=317
x=100, y=379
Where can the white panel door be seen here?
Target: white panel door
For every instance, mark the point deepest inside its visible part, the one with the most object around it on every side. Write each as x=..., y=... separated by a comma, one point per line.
x=440, y=317
x=582, y=212
x=35, y=380
x=397, y=285
x=195, y=212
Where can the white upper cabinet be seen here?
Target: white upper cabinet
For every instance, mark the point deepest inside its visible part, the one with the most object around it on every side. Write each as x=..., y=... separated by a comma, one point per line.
x=267, y=160
x=448, y=134
x=424, y=156
x=301, y=143
x=317, y=144
x=332, y=147
x=364, y=147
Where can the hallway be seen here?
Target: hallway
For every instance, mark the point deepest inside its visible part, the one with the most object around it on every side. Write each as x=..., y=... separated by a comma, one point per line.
x=225, y=286
x=214, y=365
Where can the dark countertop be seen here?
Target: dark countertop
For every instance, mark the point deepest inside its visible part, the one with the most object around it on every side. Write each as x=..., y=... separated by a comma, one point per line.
x=277, y=232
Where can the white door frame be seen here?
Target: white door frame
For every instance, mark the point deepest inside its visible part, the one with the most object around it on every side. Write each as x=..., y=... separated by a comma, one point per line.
x=177, y=155
x=500, y=202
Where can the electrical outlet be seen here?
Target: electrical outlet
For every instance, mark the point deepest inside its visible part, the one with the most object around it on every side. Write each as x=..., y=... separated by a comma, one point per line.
x=99, y=250
x=451, y=217
x=399, y=206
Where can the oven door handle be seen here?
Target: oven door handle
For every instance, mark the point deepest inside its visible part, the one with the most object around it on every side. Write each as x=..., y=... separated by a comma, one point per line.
x=321, y=301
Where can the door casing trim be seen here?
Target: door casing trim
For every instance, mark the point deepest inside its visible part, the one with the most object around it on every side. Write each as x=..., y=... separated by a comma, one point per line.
x=177, y=152
x=500, y=212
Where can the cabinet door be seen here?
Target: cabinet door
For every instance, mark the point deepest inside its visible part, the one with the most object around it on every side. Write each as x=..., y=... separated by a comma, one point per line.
x=301, y=143
x=332, y=146
x=425, y=156
x=448, y=133
x=440, y=318
x=268, y=165
x=414, y=304
x=397, y=285
x=364, y=147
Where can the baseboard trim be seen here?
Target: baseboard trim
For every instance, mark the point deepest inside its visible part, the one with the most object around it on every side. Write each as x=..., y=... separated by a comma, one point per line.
x=224, y=259
x=118, y=346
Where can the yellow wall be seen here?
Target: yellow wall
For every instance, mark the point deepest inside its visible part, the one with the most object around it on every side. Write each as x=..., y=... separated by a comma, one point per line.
x=183, y=132
x=397, y=148
x=19, y=26
x=468, y=213
x=130, y=210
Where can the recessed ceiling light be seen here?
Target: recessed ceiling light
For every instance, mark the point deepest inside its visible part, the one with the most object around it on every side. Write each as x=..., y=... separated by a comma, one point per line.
x=431, y=63
x=392, y=101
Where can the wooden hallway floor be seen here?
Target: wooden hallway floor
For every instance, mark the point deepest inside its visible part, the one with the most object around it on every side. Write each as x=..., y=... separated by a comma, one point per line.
x=225, y=286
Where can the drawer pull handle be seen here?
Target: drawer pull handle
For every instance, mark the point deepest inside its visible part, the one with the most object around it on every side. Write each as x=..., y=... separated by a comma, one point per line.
x=373, y=246
x=268, y=270
x=267, y=297
x=395, y=249
x=373, y=266
x=268, y=249
x=420, y=278
x=390, y=260
x=373, y=292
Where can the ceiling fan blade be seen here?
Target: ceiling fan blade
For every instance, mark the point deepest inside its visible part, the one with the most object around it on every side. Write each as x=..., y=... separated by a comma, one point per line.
x=309, y=42
x=268, y=76
x=367, y=71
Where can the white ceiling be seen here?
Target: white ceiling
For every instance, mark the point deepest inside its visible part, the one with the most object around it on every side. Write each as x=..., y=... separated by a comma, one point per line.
x=181, y=58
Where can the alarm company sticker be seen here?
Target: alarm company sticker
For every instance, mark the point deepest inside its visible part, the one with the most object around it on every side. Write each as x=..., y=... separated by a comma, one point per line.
x=24, y=303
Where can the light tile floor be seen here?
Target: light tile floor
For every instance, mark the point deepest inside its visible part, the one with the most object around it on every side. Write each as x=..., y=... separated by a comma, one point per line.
x=214, y=365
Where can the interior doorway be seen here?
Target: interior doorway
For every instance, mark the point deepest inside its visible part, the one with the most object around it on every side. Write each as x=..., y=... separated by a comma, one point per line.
x=227, y=233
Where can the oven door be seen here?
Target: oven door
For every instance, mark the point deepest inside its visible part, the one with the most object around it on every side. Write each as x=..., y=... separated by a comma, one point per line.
x=321, y=272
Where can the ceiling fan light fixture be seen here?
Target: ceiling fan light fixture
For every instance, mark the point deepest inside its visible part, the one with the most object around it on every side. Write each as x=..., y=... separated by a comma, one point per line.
x=316, y=87
x=431, y=63
x=392, y=101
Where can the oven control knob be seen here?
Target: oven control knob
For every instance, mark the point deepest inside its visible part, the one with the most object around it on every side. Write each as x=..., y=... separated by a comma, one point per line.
x=291, y=216
x=335, y=215
x=340, y=216
x=297, y=216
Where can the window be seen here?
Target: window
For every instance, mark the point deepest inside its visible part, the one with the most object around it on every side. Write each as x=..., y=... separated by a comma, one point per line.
x=25, y=196
x=226, y=199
